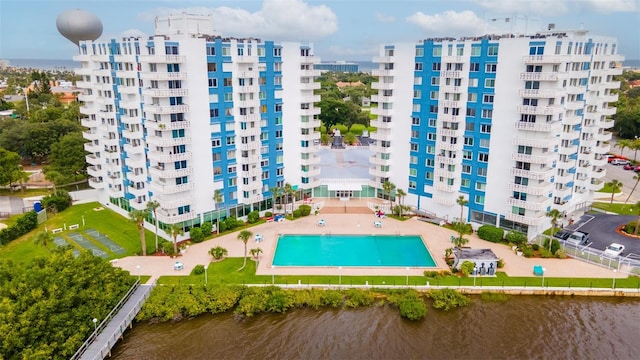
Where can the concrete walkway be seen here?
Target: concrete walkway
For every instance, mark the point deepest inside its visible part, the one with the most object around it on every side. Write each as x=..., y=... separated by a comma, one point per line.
x=436, y=238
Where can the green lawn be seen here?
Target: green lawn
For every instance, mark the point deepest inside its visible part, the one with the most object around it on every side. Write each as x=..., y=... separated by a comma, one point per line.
x=117, y=228
x=225, y=272
x=607, y=189
x=621, y=209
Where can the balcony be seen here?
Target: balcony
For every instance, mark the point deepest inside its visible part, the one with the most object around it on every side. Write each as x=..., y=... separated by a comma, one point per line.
x=163, y=157
x=382, y=85
x=140, y=177
x=314, y=123
x=164, y=142
x=382, y=59
x=133, y=149
x=176, y=218
x=445, y=173
x=94, y=171
x=142, y=191
x=253, y=145
x=243, y=59
x=538, y=126
x=450, y=132
x=251, y=159
x=163, y=76
x=130, y=119
x=310, y=85
x=444, y=199
x=540, y=93
x=537, y=190
x=165, y=92
x=166, y=125
x=379, y=173
x=90, y=135
x=538, y=110
x=536, y=143
x=609, y=98
x=596, y=185
x=248, y=89
x=171, y=189
x=566, y=164
x=603, y=136
x=608, y=111
x=91, y=147
x=377, y=160
x=311, y=172
x=539, y=76
x=311, y=160
x=308, y=99
x=251, y=131
x=166, y=109
x=598, y=173
x=447, y=160
x=93, y=160
x=538, y=174
x=166, y=173
x=529, y=204
x=535, y=159
x=383, y=72
x=574, y=105
x=379, y=124
x=175, y=204
x=162, y=59
x=96, y=183
x=129, y=104
x=86, y=97
x=527, y=220
x=444, y=187
x=546, y=59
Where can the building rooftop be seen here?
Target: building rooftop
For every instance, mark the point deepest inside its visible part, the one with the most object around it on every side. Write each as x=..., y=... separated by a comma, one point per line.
x=480, y=254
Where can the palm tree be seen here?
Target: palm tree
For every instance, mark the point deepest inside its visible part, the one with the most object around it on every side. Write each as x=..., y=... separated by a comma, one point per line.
x=276, y=192
x=217, y=197
x=138, y=216
x=462, y=229
x=462, y=202
x=555, y=215
x=255, y=252
x=635, y=146
x=615, y=186
x=218, y=252
x=288, y=189
x=244, y=235
x=623, y=144
x=152, y=206
x=175, y=230
x=43, y=238
x=388, y=187
x=636, y=177
x=635, y=231
x=400, y=194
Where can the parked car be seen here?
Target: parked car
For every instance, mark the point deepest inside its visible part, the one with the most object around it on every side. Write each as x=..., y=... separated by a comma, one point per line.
x=562, y=235
x=579, y=238
x=614, y=249
x=629, y=167
x=618, y=161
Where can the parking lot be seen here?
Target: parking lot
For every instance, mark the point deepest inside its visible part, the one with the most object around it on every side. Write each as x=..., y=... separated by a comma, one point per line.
x=602, y=232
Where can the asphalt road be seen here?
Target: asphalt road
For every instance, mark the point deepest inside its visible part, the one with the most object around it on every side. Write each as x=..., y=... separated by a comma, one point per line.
x=626, y=177
x=602, y=231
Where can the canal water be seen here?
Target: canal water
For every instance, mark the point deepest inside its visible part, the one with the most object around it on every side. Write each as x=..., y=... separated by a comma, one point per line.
x=524, y=327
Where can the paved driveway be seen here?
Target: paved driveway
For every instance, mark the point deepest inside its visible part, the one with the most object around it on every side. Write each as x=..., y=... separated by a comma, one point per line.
x=601, y=229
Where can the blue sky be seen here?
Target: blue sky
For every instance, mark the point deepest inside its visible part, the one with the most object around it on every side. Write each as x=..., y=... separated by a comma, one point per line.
x=339, y=29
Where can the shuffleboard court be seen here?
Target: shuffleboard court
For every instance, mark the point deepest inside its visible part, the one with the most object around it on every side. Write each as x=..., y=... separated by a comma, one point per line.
x=85, y=243
x=104, y=240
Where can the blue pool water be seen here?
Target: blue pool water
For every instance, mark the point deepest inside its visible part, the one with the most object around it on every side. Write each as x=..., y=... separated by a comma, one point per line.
x=352, y=250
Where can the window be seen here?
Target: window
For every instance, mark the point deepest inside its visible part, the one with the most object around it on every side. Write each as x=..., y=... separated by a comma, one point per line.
x=485, y=128
x=213, y=83
x=435, y=81
x=487, y=113
x=211, y=51
x=471, y=97
x=475, y=50
x=492, y=50
x=484, y=143
x=466, y=169
x=489, y=83
x=487, y=99
x=227, y=82
x=471, y=112
x=414, y=147
x=215, y=143
x=436, y=66
x=412, y=184
x=466, y=154
x=465, y=183
x=418, y=67
x=473, y=82
x=415, y=121
x=479, y=199
x=419, y=52
x=490, y=68
x=437, y=51
x=482, y=171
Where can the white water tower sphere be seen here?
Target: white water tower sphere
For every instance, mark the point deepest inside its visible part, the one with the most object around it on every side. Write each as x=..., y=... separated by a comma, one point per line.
x=77, y=25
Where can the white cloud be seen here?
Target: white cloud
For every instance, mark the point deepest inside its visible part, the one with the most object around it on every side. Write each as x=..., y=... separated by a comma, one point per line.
x=449, y=23
x=606, y=6
x=525, y=7
x=277, y=19
x=385, y=18
x=132, y=33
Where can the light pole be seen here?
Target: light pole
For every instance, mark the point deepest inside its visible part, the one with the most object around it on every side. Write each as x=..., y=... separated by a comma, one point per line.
x=475, y=274
x=206, y=267
x=407, y=282
x=613, y=286
x=340, y=276
x=138, y=271
x=95, y=325
x=544, y=270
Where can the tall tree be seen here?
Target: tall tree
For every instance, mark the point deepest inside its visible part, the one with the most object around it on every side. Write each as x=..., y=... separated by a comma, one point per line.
x=152, y=206
x=55, y=177
x=288, y=189
x=623, y=144
x=614, y=185
x=244, y=236
x=388, y=187
x=9, y=163
x=138, y=216
x=68, y=155
x=217, y=198
x=175, y=230
x=635, y=231
x=462, y=202
x=400, y=194
x=276, y=193
x=554, y=215
x=636, y=177
x=462, y=229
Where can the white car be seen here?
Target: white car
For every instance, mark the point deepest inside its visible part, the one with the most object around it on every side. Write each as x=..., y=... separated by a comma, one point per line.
x=620, y=162
x=614, y=249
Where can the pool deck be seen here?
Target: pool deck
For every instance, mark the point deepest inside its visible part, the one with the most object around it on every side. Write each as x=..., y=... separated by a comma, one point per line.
x=436, y=238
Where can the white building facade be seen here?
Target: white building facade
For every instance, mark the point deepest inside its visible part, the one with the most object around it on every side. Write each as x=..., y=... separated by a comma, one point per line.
x=174, y=117
x=518, y=125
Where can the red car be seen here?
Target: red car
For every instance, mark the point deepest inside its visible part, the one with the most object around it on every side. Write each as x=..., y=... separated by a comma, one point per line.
x=629, y=167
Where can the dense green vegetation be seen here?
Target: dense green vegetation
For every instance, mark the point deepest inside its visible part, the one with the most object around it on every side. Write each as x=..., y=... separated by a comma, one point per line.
x=627, y=118
x=47, y=304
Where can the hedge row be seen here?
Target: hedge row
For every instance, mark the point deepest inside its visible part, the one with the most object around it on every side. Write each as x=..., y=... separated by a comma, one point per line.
x=25, y=223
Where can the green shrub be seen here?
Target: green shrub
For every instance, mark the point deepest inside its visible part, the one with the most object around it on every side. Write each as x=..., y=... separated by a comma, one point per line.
x=490, y=233
x=467, y=268
x=218, y=252
x=494, y=296
x=331, y=298
x=516, y=237
x=500, y=263
x=630, y=228
x=23, y=225
x=196, y=234
x=253, y=217
x=535, y=247
x=230, y=223
x=325, y=139
x=58, y=201
x=528, y=252
x=560, y=254
x=296, y=213
x=372, y=129
x=447, y=299
x=323, y=129
x=305, y=210
x=357, y=129
x=357, y=298
x=268, y=214
x=343, y=129
x=555, y=245
x=412, y=307
x=207, y=229
x=545, y=253
x=198, y=269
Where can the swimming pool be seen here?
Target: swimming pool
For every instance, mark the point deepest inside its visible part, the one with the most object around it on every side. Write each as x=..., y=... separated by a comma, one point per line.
x=352, y=250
